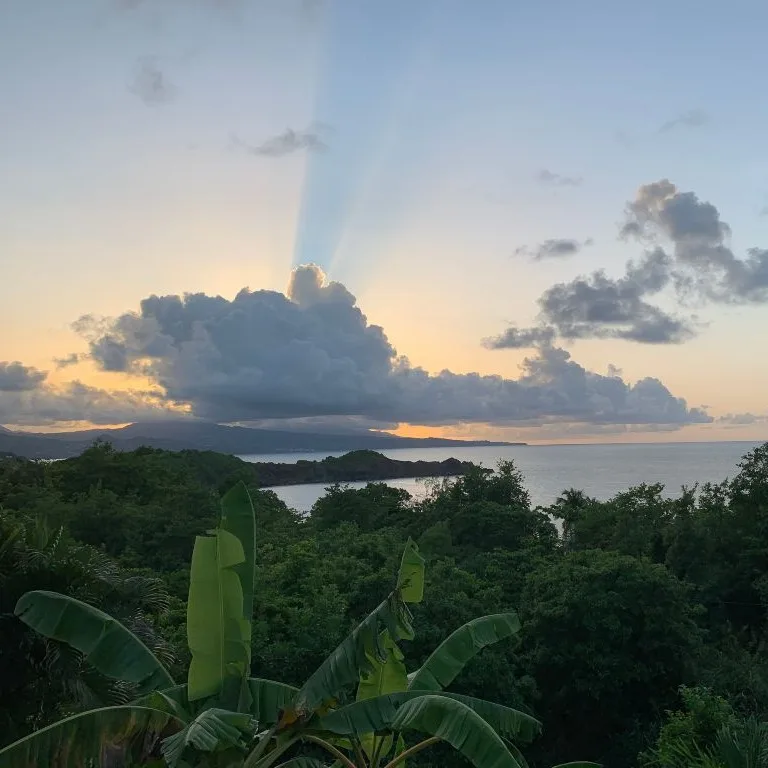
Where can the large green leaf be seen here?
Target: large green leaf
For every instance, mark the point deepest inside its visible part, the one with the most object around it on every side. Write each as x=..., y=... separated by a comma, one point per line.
x=455, y=723
x=81, y=741
x=410, y=578
x=268, y=699
x=452, y=655
x=213, y=730
x=107, y=645
x=384, y=676
x=217, y=632
x=238, y=517
x=303, y=762
x=379, y=714
x=388, y=676
x=343, y=667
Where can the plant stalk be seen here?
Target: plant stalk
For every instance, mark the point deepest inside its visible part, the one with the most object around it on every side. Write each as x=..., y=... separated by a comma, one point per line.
x=337, y=753
x=412, y=751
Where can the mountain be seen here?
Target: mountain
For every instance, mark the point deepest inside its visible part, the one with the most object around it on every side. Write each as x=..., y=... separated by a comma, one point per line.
x=207, y=436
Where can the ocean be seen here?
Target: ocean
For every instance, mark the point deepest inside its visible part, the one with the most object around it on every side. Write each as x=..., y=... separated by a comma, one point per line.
x=599, y=470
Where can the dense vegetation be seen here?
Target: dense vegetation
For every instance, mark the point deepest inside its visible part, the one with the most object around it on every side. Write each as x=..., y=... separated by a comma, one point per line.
x=643, y=617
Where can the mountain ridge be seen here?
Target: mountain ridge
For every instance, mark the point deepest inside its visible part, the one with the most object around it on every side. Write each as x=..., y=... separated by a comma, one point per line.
x=197, y=435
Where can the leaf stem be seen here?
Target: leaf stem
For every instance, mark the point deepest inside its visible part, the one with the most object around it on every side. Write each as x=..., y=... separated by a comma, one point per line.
x=359, y=753
x=412, y=751
x=338, y=754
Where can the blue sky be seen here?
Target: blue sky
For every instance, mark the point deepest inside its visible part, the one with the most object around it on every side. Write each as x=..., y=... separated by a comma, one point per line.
x=454, y=132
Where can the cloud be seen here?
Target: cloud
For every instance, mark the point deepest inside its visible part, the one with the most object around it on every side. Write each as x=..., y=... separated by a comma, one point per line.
x=73, y=358
x=694, y=118
x=151, y=84
x=521, y=338
x=687, y=255
x=558, y=180
x=285, y=143
x=78, y=402
x=553, y=249
x=26, y=399
x=601, y=307
x=311, y=354
x=742, y=419
x=15, y=377
x=704, y=263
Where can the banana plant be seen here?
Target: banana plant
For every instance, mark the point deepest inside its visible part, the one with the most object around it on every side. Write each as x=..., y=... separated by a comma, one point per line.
x=223, y=718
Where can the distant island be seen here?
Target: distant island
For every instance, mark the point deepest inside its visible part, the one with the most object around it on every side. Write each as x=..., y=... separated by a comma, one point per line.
x=206, y=436
x=354, y=466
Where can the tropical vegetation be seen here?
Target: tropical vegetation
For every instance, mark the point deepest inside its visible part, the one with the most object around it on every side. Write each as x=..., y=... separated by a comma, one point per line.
x=641, y=639
x=224, y=717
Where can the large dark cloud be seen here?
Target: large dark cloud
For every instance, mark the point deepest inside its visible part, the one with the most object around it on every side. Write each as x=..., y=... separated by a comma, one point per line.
x=15, y=377
x=312, y=354
x=687, y=255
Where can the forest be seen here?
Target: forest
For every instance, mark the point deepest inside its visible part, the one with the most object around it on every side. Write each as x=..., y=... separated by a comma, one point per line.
x=634, y=630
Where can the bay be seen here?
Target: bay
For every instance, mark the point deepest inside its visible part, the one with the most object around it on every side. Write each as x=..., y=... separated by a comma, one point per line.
x=598, y=470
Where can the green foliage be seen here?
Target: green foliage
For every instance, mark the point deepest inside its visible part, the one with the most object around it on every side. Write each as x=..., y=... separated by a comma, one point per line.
x=90, y=739
x=691, y=730
x=104, y=642
x=452, y=655
x=455, y=723
x=213, y=730
x=42, y=679
x=621, y=600
x=608, y=639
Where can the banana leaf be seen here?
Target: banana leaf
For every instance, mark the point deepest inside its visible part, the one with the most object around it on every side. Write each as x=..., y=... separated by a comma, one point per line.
x=389, y=676
x=410, y=578
x=267, y=700
x=213, y=730
x=81, y=741
x=455, y=723
x=238, y=517
x=217, y=632
x=109, y=647
x=379, y=715
x=452, y=655
x=343, y=667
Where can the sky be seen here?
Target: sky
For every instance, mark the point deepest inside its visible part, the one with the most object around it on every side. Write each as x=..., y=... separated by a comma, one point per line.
x=528, y=221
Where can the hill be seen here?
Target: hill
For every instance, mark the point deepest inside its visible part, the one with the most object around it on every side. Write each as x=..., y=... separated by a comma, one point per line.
x=207, y=436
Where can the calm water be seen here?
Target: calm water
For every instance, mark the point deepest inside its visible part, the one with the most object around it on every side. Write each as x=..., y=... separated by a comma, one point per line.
x=599, y=470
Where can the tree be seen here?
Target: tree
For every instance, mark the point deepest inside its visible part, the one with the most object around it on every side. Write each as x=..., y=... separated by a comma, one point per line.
x=691, y=731
x=224, y=717
x=609, y=639
x=41, y=679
